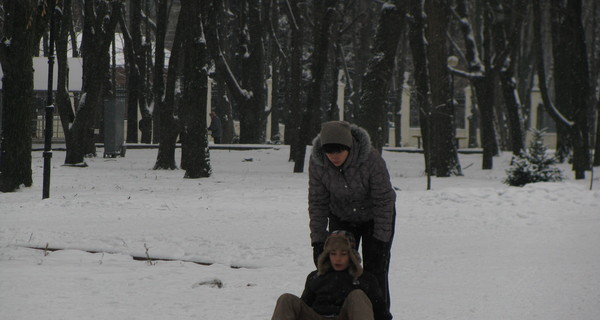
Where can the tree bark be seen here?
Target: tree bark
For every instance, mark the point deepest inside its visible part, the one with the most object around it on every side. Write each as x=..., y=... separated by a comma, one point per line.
x=63, y=102
x=296, y=110
x=372, y=114
x=195, y=144
x=170, y=126
x=480, y=74
x=418, y=46
x=446, y=161
x=99, y=27
x=311, y=122
x=139, y=84
x=17, y=94
x=504, y=45
x=572, y=85
x=158, y=74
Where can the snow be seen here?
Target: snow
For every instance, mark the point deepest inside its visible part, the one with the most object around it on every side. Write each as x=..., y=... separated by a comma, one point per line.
x=470, y=248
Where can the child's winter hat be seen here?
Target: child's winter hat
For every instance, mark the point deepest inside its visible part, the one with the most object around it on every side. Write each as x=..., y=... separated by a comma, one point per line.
x=340, y=240
x=336, y=132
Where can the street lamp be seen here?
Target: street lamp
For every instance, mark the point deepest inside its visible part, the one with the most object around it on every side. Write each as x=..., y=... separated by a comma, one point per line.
x=452, y=62
x=49, y=109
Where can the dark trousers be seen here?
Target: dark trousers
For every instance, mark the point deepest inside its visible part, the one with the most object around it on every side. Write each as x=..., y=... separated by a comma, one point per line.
x=375, y=253
x=217, y=140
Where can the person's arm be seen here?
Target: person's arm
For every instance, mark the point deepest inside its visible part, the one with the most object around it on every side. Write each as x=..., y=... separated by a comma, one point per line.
x=383, y=198
x=318, y=204
x=308, y=295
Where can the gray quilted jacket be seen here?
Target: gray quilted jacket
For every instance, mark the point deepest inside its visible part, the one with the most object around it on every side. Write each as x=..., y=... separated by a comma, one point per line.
x=358, y=191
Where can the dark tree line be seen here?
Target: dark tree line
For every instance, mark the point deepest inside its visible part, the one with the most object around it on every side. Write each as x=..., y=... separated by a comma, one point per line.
x=303, y=47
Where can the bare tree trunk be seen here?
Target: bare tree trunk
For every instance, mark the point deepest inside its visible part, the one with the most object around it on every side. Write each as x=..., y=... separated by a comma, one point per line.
x=145, y=124
x=596, y=162
x=158, y=83
x=372, y=114
x=17, y=93
x=362, y=50
x=277, y=67
x=252, y=77
x=572, y=84
x=224, y=101
x=95, y=47
x=194, y=92
x=446, y=161
x=311, y=122
x=63, y=103
x=296, y=110
x=421, y=66
x=480, y=74
x=169, y=125
x=504, y=45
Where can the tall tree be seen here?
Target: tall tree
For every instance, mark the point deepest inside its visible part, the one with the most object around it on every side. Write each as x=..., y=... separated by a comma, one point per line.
x=249, y=88
x=311, y=121
x=572, y=82
x=137, y=92
x=20, y=30
x=418, y=47
x=223, y=104
x=63, y=101
x=506, y=33
x=372, y=112
x=295, y=87
x=100, y=20
x=445, y=159
x=164, y=97
x=480, y=72
x=195, y=80
x=364, y=14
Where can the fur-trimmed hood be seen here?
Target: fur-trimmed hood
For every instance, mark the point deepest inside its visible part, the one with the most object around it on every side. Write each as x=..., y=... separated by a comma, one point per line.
x=361, y=146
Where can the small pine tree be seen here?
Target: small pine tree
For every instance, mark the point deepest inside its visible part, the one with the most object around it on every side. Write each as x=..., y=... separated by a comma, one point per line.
x=533, y=165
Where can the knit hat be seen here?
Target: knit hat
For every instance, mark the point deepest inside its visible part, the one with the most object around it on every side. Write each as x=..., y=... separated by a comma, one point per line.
x=340, y=240
x=336, y=132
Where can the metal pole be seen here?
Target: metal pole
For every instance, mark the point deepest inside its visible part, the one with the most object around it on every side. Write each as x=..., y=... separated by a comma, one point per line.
x=49, y=109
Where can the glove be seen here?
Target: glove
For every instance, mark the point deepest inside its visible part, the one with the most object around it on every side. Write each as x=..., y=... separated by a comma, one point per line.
x=317, y=250
x=378, y=256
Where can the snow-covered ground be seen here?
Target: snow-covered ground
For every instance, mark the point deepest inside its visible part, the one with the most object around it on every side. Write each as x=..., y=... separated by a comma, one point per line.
x=471, y=248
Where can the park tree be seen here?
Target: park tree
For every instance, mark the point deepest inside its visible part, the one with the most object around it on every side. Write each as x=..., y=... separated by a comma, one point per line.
x=164, y=93
x=136, y=65
x=195, y=153
x=295, y=93
x=571, y=82
x=100, y=20
x=506, y=30
x=445, y=160
x=372, y=112
x=23, y=23
x=418, y=48
x=311, y=121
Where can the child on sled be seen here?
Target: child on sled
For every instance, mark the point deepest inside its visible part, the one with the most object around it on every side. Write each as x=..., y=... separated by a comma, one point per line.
x=338, y=290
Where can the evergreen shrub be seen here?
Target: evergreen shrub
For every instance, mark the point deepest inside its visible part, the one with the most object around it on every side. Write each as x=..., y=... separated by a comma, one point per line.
x=534, y=164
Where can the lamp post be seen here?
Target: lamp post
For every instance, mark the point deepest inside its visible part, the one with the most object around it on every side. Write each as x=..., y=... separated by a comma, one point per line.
x=49, y=109
x=452, y=62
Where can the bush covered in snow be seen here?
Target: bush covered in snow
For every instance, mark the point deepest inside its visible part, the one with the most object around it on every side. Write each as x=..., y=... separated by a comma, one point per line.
x=533, y=165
